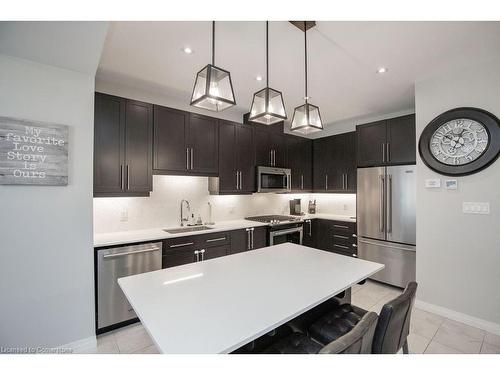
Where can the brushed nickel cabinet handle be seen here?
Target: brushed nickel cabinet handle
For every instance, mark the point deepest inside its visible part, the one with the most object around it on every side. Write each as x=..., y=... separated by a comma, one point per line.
x=340, y=246
x=302, y=182
x=388, y=152
x=187, y=157
x=197, y=253
x=383, y=152
x=241, y=180
x=326, y=182
x=122, y=179
x=237, y=181
x=216, y=239
x=339, y=236
x=182, y=244
x=340, y=226
x=192, y=158
x=128, y=178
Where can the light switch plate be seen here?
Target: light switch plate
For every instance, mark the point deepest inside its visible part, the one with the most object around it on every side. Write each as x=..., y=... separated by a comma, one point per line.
x=433, y=183
x=481, y=208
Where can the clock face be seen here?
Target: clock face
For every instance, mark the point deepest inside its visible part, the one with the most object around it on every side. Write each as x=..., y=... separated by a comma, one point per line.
x=459, y=141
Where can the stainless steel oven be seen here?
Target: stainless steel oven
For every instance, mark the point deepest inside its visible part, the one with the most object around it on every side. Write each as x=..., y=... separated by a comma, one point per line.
x=283, y=234
x=273, y=180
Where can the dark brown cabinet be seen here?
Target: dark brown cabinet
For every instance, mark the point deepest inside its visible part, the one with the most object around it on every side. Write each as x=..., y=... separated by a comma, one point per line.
x=334, y=161
x=248, y=239
x=387, y=142
x=337, y=236
x=310, y=232
x=236, y=159
x=122, y=147
x=184, y=143
x=299, y=160
x=270, y=147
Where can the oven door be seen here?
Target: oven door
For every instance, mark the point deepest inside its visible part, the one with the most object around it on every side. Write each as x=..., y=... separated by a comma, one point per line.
x=293, y=235
x=276, y=180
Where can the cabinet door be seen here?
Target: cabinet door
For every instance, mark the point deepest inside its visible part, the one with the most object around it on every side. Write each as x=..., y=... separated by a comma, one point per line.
x=308, y=238
x=227, y=157
x=178, y=257
x=239, y=241
x=306, y=164
x=335, y=163
x=215, y=252
x=245, y=157
x=350, y=162
x=278, y=146
x=169, y=146
x=401, y=140
x=204, y=142
x=370, y=142
x=294, y=155
x=259, y=237
x=262, y=148
x=319, y=164
x=138, y=139
x=109, y=151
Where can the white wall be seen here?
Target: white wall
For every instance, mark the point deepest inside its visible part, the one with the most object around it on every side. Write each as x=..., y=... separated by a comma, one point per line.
x=162, y=208
x=46, y=257
x=458, y=255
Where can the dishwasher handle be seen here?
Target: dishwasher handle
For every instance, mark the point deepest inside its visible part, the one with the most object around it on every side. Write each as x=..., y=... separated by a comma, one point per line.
x=131, y=253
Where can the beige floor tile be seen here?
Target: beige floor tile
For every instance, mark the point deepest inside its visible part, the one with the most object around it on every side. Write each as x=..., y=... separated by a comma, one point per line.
x=492, y=339
x=377, y=307
x=132, y=338
x=460, y=336
x=490, y=349
x=106, y=344
x=417, y=344
x=148, y=350
x=437, y=348
x=424, y=323
x=364, y=299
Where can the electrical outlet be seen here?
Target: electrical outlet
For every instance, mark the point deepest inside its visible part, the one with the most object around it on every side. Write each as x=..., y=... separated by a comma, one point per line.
x=482, y=208
x=124, y=215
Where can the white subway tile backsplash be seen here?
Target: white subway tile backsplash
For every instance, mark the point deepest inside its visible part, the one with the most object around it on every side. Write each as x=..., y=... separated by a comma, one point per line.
x=161, y=209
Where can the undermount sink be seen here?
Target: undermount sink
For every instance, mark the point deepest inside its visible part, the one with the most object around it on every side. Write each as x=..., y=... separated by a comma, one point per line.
x=187, y=229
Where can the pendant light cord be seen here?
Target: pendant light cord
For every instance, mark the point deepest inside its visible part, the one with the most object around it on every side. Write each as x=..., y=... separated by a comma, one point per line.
x=267, y=53
x=213, y=43
x=305, y=56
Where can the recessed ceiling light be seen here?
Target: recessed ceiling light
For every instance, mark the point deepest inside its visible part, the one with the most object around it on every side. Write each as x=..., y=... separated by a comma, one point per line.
x=382, y=70
x=258, y=78
x=187, y=50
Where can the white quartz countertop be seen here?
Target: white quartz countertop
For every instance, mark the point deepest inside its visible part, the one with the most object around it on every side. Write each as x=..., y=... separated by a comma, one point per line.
x=218, y=305
x=125, y=237
x=351, y=219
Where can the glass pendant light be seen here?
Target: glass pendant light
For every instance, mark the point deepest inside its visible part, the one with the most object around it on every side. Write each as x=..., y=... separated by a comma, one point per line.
x=306, y=118
x=267, y=106
x=213, y=89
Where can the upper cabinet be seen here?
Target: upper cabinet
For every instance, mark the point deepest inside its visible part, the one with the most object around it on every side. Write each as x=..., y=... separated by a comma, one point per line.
x=299, y=160
x=387, y=142
x=236, y=159
x=334, y=161
x=270, y=146
x=184, y=143
x=122, y=147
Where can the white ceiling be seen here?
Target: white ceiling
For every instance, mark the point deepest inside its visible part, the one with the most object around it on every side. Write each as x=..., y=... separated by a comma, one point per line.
x=343, y=59
x=70, y=45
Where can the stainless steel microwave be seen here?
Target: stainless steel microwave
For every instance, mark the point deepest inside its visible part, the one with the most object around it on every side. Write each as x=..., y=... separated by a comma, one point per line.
x=273, y=180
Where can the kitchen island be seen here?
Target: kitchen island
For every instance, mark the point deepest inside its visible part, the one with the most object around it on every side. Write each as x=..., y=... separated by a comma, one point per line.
x=219, y=305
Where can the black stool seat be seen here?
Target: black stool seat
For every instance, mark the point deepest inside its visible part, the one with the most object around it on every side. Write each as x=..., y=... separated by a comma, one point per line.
x=296, y=343
x=336, y=323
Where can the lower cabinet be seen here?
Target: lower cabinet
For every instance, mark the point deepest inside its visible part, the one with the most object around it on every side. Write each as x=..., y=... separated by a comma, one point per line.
x=310, y=232
x=336, y=236
x=248, y=239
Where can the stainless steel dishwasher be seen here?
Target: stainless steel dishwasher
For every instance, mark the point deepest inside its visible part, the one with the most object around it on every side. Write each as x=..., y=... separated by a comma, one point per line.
x=114, y=263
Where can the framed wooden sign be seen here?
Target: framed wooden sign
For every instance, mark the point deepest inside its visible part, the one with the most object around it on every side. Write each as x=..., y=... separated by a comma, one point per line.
x=33, y=153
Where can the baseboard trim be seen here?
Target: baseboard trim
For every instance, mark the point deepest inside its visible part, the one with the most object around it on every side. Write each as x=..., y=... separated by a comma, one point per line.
x=459, y=317
x=81, y=345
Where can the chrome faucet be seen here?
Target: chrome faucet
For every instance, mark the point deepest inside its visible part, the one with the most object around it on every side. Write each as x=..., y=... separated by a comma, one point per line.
x=182, y=212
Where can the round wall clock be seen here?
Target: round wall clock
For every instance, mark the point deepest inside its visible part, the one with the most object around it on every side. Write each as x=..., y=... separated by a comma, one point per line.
x=460, y=142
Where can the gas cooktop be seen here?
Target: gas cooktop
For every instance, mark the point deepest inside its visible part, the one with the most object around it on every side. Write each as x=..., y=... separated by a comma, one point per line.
x=274, y=219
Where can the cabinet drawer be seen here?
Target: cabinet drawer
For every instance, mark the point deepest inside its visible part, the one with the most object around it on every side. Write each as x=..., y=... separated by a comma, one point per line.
x=178, y=257
x=180, y=243
x=213, y=239
x=344, y=228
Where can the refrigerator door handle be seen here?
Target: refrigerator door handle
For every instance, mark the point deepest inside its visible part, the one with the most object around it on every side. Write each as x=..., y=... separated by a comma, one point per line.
x=389, y=204
x=382, y=203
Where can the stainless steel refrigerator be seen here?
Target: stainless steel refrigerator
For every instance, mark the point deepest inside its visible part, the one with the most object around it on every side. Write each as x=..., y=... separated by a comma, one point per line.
x=386, y=221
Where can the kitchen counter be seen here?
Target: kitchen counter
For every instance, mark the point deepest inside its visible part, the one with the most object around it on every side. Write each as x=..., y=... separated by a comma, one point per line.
x=218, y=305
x=351, y=219
x=154, y=234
